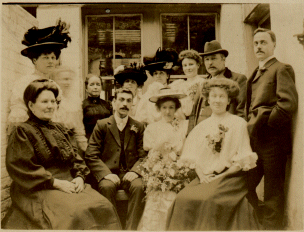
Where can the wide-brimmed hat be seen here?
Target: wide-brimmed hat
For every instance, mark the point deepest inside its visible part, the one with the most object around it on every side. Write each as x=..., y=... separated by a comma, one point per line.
x=213, y=47
x=134, y=72
x=164, y=59
x=167, y=92
x=56, y=37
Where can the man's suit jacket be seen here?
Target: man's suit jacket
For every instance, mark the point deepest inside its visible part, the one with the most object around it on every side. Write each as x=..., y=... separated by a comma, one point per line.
x=104, y=149
x=237, y=106
x=272, y=97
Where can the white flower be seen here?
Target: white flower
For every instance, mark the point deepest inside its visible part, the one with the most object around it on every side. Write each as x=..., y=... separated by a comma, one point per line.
x=168, y=65
x=134, y=128
x=172, y=156
x=119, y=69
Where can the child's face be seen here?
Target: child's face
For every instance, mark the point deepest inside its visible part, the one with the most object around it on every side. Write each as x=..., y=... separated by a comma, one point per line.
x=94, y=86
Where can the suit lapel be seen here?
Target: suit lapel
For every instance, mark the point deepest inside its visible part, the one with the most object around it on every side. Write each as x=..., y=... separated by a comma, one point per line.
x=261, y=73
x=127, y=132
x=114, y=129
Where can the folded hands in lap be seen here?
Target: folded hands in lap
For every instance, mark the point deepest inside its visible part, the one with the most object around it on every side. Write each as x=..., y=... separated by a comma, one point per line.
x=74, y=186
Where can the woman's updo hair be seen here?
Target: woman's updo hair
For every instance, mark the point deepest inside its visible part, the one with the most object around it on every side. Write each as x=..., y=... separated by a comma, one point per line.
x=86, y=82
x=160, y=101
x=231, y=87
x=34, y=89
x=190, y=54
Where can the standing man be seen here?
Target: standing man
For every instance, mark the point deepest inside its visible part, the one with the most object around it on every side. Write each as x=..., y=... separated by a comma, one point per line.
x=113, y=155
x=214, y=59
x=271, y=103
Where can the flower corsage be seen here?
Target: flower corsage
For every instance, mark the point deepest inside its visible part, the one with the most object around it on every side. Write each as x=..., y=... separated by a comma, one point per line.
x=215, y=141
x=134, y=128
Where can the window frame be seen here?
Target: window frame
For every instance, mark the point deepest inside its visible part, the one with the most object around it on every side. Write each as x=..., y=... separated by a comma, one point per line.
x=188, y=28
x=86, y=48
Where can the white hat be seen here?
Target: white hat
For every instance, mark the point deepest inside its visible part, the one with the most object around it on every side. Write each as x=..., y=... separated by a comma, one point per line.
x=167, y=92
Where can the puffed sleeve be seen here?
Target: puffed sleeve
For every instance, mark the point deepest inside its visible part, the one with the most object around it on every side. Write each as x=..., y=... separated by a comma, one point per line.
x=149, y=138
x=21, y=162
x=244, y=157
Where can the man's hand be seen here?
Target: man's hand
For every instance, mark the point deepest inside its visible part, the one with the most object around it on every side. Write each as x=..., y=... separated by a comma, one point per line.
x=114, y=178
x=130, y=176
x=79, y=184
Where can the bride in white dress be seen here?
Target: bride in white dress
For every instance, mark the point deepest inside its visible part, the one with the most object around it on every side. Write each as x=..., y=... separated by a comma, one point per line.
x=164, y=139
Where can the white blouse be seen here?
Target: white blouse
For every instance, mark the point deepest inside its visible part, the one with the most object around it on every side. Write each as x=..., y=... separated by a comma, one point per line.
x=235, y=146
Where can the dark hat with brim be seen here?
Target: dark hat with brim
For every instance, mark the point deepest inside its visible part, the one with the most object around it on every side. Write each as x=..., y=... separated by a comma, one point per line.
x=139, y=75
x=213, y=47
x=167, y=93
x=38, y=47
x=164, y=59
x=56, y=37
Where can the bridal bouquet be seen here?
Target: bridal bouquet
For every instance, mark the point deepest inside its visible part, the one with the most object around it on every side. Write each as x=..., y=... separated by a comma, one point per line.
x=162, y=171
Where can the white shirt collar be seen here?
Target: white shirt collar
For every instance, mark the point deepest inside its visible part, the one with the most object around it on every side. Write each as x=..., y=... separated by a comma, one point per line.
x=121, y=122
x=263, y=62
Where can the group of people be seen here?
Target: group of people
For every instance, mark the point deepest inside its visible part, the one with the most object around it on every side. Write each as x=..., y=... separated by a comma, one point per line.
x=229, y=130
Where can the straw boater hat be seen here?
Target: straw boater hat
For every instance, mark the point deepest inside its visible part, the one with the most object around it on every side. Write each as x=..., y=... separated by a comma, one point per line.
x=167, y=92
x=56, y=37
x=134, y=72
x=213, y=47
x=163, y=60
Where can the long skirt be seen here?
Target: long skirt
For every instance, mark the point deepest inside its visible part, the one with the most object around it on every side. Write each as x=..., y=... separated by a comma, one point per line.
x=156, y=211
x=54, y=209
x=219, y=205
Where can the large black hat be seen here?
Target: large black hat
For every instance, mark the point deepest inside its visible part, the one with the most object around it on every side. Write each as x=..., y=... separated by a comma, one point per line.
x=163, y=60
x=134, y=72
x=53, y=37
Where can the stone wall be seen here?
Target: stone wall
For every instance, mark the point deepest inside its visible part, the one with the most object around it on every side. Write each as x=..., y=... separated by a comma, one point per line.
x=15, y=22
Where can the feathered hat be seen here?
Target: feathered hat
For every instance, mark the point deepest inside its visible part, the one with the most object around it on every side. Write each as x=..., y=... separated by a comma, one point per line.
x=134, y=72
x=56, y=36
x=163, y=60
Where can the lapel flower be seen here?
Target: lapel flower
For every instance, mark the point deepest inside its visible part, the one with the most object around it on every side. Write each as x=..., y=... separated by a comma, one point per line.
x=134, y=128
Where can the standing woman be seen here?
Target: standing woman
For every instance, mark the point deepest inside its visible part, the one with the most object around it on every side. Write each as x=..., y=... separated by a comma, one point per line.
x=94, y=108
x=191, y=61
x=43, y=49
x=70, y=111
x=220, y=147
x=159, y=68
x=131, y=78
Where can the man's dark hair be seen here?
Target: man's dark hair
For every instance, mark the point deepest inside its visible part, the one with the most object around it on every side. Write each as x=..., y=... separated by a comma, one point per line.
x=122, y=90
x=271, y=33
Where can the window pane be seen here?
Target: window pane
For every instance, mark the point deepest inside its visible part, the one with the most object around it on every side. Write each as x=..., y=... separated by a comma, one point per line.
x=202, y=30
x=127, y=40
x=100, y=45
x=174, y=32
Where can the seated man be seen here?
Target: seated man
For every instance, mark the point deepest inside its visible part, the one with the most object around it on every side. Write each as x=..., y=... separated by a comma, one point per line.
x=113, y=154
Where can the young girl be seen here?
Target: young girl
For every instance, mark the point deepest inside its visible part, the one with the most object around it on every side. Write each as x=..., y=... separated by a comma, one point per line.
x=93, y=107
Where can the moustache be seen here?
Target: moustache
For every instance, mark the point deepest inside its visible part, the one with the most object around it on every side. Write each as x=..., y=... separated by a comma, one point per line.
x=259, y=51
x=124, y=108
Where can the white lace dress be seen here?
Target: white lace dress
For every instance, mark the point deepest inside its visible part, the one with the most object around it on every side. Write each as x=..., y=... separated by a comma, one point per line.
x=158, y=202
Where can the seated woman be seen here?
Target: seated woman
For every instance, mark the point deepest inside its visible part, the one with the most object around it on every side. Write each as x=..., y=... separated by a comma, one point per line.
x=69, y=112
x=164, y=141
x=220, y=147
x=48, y=190
x=94, y=108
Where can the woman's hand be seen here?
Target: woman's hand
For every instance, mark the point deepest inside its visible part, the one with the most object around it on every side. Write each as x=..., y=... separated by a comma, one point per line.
x=79, y=184
x=207, y=178
x=64, y=186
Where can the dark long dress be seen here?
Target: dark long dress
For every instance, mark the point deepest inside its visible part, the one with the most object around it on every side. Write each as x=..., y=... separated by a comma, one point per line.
x=38, y=152
x=94, y=109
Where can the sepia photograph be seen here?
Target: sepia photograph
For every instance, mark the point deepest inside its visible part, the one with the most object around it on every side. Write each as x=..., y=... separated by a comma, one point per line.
x=164, y=115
